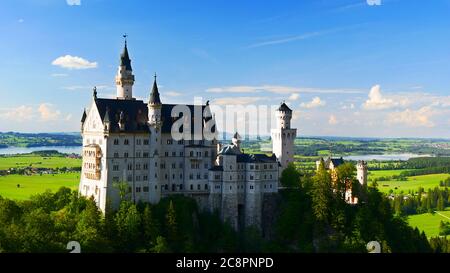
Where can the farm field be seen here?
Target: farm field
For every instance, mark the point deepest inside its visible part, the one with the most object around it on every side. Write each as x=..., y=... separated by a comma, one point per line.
x=429, y=223
x=33, y=184
x=38, y=162
x=384, y=173
x=429, y=181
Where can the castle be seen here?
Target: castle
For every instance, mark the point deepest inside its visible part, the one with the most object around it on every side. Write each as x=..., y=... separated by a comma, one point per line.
x=130, y=150
x=331, y=164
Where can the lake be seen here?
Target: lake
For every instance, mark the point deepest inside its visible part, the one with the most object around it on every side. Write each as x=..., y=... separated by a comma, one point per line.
x=25, y=150
x=384, y=157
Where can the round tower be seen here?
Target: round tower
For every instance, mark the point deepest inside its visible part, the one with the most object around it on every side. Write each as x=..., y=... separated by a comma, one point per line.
x=125, y=77
x=154, y=106
x=361, y=172
x=283, y=136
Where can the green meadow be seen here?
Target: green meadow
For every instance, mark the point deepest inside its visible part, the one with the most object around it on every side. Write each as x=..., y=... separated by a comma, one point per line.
x=34, y=184
x=36, y=161
x=429, y=181
x=429, y=222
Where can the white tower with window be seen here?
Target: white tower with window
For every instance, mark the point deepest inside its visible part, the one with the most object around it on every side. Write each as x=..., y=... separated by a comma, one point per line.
x=283, y=136
x=125, y=77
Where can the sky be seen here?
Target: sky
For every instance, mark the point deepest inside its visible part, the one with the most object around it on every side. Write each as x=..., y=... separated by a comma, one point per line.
x=361, y=68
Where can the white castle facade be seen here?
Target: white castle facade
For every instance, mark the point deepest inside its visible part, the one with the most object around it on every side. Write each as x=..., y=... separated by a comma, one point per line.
x=129, y=146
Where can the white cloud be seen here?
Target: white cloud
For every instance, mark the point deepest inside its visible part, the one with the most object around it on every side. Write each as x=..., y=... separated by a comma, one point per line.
x=236, y=100
x=73, y=62
x=47, y=113
x=316, y=102
x=413, y=118
x=19, y=114
x=172, y=94
x=377, y=101
x=73, y=2
x=332, y=120
x=279, y=89
x=294, y=96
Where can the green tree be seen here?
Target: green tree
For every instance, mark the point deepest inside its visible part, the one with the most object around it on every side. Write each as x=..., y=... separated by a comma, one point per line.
x=151, y=226
x=128, y=223
x=290, y=177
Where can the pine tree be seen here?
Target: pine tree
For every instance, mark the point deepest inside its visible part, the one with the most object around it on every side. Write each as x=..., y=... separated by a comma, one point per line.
x=171, y=224
x=322, y=194
x=150, y=226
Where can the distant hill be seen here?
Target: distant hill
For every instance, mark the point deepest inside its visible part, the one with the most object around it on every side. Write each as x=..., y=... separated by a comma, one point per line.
x=8, y=139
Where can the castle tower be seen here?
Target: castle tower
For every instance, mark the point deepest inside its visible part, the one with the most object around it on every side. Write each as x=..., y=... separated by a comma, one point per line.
x=283, y=136
x=125, y=77
x=236, y=140
x=155, y=123
x=361, y=172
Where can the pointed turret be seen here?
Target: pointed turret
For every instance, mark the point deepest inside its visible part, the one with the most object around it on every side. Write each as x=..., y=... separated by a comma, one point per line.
x=125, y=77
x=125, y=58
x=154, y=95
x=83, y=118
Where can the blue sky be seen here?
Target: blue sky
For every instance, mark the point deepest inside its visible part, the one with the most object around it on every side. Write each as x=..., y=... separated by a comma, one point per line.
x=347, y=68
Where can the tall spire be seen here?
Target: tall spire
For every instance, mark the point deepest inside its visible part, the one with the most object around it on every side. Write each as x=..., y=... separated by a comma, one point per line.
x=154, y=95
x=125, y=57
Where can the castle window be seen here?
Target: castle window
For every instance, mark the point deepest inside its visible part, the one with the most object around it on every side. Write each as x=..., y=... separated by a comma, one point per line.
x=199, y=176
x=130, y=167
x=270, y=185
x=206, y=186
x=231, y=167
x=181, y=153
x=116, y=142
x=166, y=154
x=125, y=154
x=156, y=175
x=251, y=177
x=174, y=165
x=206, y=153
x=217, y=176
x=251, y=187
x=145, y=178
x=206, y=165
x=231, y=178
x=198, y=187
x=173, y=187
x=191, y=176
x=156, y=164
x=115, y=179
x=205, y=176
x=138, y=142
x=138, y=178
x=145, y=141
x=138, y=166
x=252, y=167
x=145, y=154
x=126, y=142
x=116, y=155
x=231, y=187
x=166, y=187
x=181, y=186
x=270, y=166
x=265, y=186
x=265, y=176
x=257, y=167
x=191, y=153
x=138, y=189
x=169, y=141
x=192, y=187
x=180, y=142
x=270, y=176
x=145, y=189
x=173, y=176
x=145, y=166
x=181, y=176
x=265, y=167
x=115, y=167
x=130, y=178
x=165, y=176
x=138, y=154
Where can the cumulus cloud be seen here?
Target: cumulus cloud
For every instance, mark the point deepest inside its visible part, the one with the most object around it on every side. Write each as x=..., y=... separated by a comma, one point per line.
x=316, y=102
x=413, y=118
x=73, y=2
x=73, y=62
x=378, y=101
x=47, y=113
x=19, y=114
x=294, y=96
x=332, y=120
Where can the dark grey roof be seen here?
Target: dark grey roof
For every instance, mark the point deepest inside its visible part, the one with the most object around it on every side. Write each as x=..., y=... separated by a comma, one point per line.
x=83, y=118
x=229, y=150
x=216, y=169
x=284, y=108
x=336, y=162
x=135, y=115
x=125, y=59
x=256, y=158
x=154, y=95
x=236, y=136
